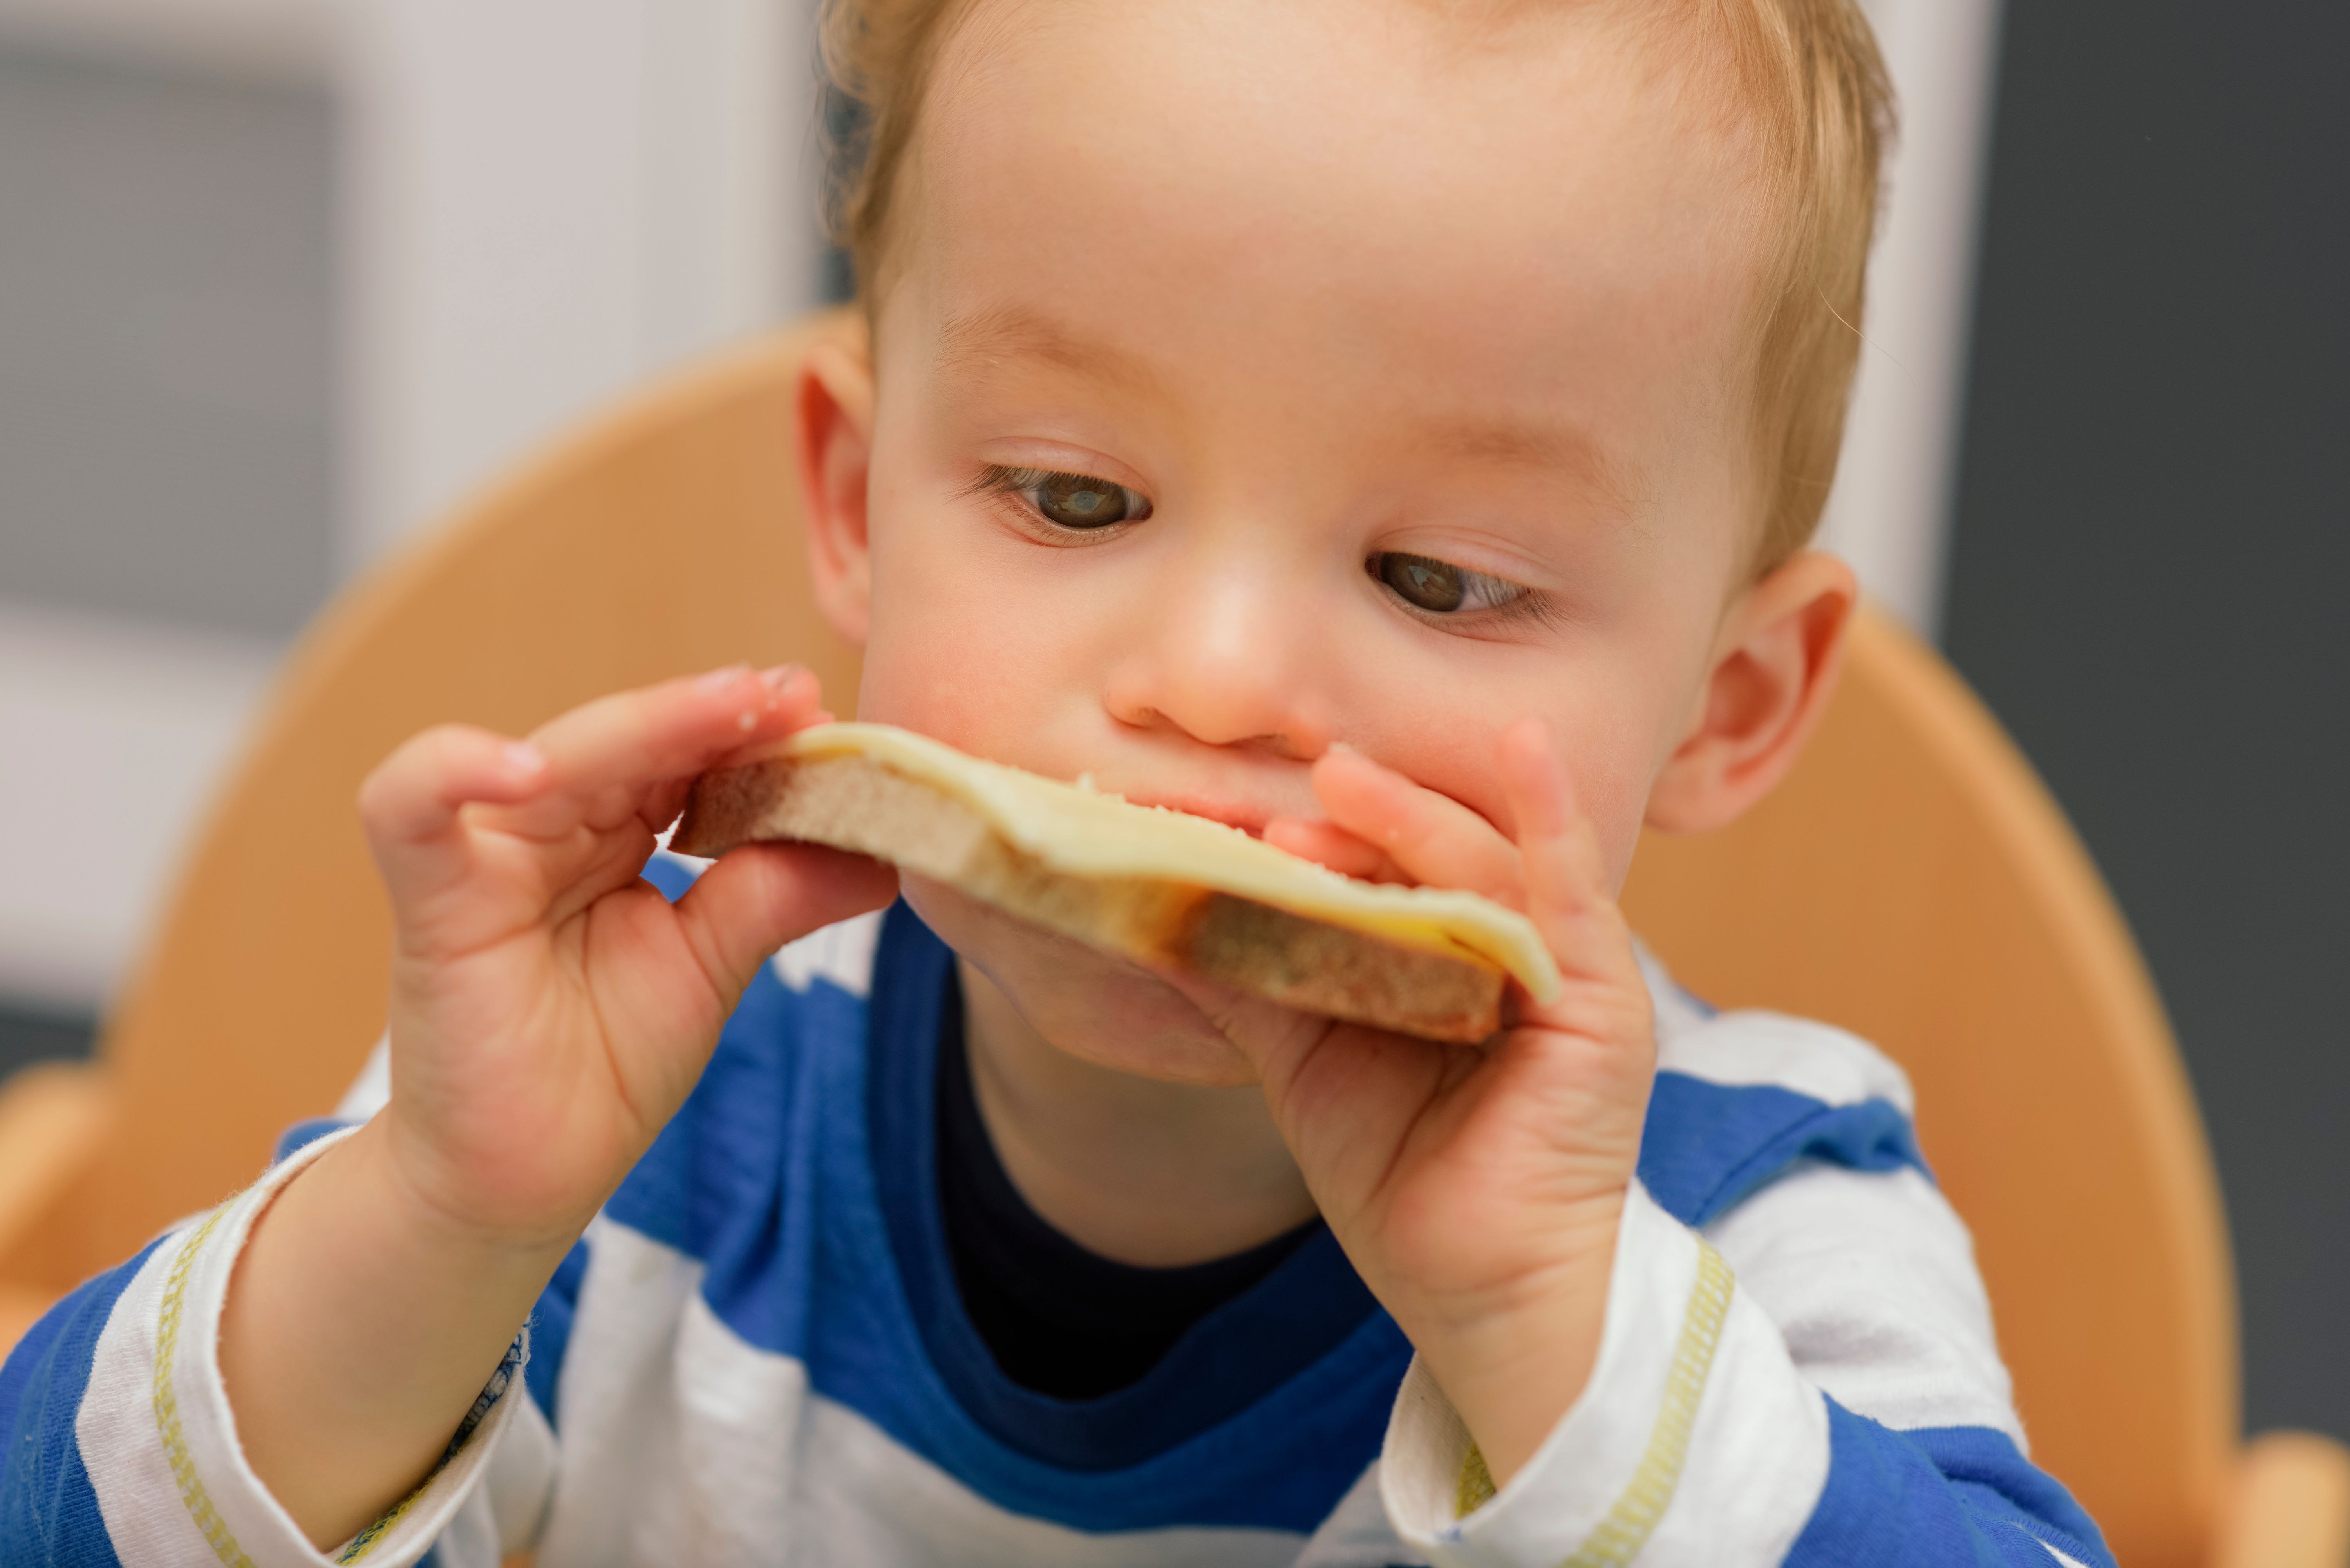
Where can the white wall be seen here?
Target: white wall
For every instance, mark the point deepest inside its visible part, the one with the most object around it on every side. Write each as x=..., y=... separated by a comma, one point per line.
x=111, y=732
x=1891, y=512
x=549, y=201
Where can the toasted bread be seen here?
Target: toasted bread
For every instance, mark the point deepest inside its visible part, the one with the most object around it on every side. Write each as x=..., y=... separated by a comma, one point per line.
x=1168, y=890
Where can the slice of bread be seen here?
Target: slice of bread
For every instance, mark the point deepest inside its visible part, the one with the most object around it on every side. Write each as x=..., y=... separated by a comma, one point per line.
x=1168, y=890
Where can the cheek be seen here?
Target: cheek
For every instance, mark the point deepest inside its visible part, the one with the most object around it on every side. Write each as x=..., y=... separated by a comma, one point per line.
x=1613, y=760
x=962, y=647
x=1617, y=803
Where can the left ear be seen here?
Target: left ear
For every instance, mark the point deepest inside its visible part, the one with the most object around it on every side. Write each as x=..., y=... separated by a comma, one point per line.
x=1775, y=664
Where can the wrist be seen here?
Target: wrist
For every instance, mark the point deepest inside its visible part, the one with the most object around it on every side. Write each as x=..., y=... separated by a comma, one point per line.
x=418, y=1212
x=357, y=1327
x=1514, y=1360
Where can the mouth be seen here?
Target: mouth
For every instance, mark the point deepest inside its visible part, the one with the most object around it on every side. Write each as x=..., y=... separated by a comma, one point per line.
x=1249, y=819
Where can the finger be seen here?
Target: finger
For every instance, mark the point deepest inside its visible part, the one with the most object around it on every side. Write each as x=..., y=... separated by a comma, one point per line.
x=751, y=750
x=1327, y=844
x=664, y=802
x=761, y=896
x=411, y=805
x=608, y=756
x=1566, y=872
x=1346, y=1098
x=678, y=727
x=1433, y=838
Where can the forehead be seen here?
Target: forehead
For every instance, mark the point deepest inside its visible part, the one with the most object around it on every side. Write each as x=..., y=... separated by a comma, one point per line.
x=1483, y=211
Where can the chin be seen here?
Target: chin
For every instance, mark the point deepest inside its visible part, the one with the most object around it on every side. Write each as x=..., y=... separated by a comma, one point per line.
x=1088, y=1003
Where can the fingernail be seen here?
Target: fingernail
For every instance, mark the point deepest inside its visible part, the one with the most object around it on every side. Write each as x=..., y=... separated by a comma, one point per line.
x=524, y=758
x=719, y=680
x=776, y=677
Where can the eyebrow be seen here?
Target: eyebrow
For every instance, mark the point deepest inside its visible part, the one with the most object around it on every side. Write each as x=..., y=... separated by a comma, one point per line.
x=1508, y=443
x=975, y=344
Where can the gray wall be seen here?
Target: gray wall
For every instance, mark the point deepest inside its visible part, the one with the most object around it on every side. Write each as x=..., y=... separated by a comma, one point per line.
x=167, y=360
x=2151, y=554
x=166, y=343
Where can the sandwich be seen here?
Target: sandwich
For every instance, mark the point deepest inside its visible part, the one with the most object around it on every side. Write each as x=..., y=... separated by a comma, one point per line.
x=1164, y=889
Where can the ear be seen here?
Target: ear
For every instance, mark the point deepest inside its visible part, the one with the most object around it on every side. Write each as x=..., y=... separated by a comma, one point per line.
x=834, y=433
x=1774, y=667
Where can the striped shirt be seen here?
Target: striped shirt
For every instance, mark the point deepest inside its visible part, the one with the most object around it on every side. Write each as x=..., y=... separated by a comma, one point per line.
x=757, y=1354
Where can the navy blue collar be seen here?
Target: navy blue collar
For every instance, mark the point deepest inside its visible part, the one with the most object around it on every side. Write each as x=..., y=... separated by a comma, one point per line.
x=1225, y=1363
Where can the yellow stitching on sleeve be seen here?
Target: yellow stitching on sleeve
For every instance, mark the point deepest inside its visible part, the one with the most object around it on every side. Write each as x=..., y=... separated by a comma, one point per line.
x=167, y=1405
x=368, y=1540
x=183, y=1465
x=1476, y=1488
x=1633, y=1518
x=500, y=1384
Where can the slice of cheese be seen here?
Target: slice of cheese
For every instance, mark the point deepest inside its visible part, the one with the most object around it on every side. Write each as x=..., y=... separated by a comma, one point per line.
x=1145, y=880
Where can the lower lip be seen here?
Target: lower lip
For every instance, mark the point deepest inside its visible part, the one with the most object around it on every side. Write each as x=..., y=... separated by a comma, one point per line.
x=1251, y=824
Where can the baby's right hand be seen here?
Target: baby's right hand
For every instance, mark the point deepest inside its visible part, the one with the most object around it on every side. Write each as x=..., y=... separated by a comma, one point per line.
x=549, y=1010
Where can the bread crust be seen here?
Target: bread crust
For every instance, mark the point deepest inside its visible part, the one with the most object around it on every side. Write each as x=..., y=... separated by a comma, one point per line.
x=858, y=803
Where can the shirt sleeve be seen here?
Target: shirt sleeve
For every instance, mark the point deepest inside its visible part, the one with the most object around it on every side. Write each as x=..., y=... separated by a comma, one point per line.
x=121, y=1445
x=1811, y=1381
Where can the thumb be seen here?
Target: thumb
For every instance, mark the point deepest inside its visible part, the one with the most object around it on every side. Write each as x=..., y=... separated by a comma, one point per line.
x=1272, y=1039
x=761, y=896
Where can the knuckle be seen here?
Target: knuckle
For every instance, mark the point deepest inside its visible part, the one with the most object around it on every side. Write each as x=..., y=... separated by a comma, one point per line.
x=449, y=743
x=424, y=755
x=372, y=802
x=421, y=762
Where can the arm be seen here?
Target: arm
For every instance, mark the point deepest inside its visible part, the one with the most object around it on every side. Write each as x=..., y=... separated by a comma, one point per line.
x=117, y=1443
x=333, y=1351
x=548, y=1014
x=1851, y=1407
x=1593, y=1383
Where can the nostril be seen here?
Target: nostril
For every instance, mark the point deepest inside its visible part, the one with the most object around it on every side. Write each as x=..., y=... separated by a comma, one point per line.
x=1223, y=692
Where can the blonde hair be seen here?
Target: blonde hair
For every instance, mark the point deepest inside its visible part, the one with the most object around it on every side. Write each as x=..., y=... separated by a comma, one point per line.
x=1820, y=112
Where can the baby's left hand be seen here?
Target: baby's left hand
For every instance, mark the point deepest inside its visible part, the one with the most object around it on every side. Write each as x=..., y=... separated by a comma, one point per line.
x=1477, y=1188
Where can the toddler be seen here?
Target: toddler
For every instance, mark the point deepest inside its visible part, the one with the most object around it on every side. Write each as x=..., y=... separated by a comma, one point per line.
x=1392, y=427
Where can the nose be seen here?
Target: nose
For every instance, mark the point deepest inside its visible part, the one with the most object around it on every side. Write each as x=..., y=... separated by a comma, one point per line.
x=1227, y=653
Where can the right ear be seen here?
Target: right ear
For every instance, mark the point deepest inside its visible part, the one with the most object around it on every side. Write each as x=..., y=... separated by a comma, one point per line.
x=835, y=454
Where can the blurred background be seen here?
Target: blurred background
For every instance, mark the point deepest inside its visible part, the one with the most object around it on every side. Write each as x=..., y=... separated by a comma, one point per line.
x=281, y=280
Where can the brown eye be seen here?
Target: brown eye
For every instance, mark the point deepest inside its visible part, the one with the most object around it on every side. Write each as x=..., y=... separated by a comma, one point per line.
x=1430, y=585
x=1080, y=501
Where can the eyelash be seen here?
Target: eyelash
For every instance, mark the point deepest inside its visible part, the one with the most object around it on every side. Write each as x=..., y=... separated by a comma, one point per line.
x=1022, y=483
x=1506, y=602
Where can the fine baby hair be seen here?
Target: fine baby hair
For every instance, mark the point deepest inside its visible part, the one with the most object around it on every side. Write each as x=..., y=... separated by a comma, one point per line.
x=1806, y=83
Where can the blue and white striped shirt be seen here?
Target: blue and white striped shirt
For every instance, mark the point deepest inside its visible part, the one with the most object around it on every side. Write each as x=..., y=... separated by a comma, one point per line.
x=757, y=1354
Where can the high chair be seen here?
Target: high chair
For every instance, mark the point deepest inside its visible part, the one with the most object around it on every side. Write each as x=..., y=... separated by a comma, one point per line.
x=1911, y=881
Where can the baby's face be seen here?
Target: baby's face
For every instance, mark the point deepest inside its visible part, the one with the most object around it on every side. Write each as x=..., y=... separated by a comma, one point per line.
x=1252, y=377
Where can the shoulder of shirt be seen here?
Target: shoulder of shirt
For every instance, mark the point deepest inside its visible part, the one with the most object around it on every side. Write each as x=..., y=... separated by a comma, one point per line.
x=1753, y=1047
x=1743, y=1097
